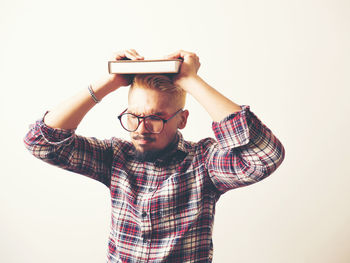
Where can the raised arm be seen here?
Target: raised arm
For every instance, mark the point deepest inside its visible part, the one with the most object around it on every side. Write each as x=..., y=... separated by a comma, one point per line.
x=69, y=114
x=53, y=139
x=206, y=95
x=245, y=151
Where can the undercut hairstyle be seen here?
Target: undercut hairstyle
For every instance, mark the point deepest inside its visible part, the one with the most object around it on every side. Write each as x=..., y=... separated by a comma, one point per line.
x=162, y=83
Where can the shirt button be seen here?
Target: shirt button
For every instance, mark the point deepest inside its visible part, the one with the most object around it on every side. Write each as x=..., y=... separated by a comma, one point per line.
x=151, y=190
x=144, y=214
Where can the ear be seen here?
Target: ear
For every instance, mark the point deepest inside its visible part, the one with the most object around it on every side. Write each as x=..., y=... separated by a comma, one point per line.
x=183, y=119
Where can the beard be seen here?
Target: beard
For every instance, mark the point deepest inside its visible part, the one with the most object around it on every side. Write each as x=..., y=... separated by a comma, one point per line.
x=153, y=155
x=147, y=156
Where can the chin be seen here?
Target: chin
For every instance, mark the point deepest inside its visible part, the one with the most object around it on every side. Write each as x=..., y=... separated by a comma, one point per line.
x=142, y=148
x=144, y=154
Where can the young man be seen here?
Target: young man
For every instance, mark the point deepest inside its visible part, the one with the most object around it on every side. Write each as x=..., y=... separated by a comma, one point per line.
x=163, y=188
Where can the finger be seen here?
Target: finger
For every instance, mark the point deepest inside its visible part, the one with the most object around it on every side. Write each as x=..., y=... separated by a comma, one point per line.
x=184, y=55
x=119, y=55
x=175, y=55
x=132, y=54
x=127, y=54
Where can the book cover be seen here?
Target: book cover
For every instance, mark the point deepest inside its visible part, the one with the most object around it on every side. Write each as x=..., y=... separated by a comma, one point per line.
x=152, y=66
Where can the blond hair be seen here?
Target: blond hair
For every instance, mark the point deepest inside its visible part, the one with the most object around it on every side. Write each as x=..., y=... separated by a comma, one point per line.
x=162, y=83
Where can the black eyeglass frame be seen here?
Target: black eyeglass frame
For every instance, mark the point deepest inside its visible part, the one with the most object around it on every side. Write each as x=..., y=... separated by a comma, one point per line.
x=143, y=118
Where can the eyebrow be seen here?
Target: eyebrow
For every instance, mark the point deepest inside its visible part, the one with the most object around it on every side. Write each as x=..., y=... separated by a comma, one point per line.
x=159, y=113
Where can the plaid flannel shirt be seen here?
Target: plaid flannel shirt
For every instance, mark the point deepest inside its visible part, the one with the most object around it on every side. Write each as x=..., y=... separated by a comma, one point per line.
x=164, y=211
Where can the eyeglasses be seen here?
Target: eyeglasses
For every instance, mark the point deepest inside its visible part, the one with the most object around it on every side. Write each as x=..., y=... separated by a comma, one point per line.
x=153, y=123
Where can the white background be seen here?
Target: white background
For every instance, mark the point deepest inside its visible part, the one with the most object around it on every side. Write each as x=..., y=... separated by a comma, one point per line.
x=288, y=60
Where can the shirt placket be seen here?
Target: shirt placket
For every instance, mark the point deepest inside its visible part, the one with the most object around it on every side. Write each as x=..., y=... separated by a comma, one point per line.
x=146, y=223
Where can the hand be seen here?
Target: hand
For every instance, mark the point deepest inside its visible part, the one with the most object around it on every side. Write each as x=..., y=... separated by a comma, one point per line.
x=125, y=79
x=189, y=67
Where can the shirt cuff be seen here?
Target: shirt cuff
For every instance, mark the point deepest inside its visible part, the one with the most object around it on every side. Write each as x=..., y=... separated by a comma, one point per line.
x=55, y=136
x=233, y=131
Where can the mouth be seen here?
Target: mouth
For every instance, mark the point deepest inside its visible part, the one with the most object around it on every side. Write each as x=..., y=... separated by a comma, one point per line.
x=143, y=140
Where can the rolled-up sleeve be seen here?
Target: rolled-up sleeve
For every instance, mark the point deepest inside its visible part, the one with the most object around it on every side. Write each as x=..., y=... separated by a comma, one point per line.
x=245, y=151
x=63, y=148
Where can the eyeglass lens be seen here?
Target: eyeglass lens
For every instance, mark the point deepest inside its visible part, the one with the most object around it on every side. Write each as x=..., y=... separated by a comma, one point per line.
x=131, y=122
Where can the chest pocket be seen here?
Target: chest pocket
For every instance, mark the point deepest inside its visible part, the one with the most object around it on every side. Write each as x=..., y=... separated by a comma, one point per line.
x=179, y=203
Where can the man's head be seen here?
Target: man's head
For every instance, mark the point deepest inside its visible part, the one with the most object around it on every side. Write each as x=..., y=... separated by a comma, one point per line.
x=156, y=95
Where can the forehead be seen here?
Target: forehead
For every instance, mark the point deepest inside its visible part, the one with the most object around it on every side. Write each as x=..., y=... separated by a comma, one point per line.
x=149, y=101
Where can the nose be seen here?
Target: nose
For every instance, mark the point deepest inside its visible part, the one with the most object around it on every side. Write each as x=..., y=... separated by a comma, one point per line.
x=142, y=128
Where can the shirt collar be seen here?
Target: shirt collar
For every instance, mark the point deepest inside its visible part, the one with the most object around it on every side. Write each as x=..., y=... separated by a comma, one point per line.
x=181, y=143
x=178, y=153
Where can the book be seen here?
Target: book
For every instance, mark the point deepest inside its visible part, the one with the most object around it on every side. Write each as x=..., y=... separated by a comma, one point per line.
x=151, y=66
